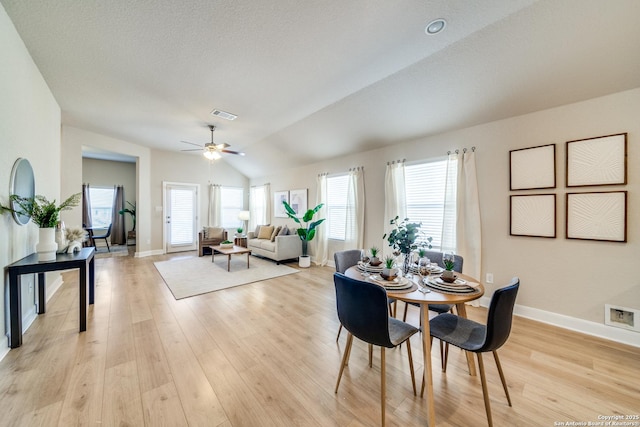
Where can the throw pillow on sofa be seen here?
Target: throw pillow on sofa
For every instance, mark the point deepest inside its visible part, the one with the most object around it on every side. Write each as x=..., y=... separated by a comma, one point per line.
x=265, y=232
x=284, y=231
x=257, y=232
x=275, y=233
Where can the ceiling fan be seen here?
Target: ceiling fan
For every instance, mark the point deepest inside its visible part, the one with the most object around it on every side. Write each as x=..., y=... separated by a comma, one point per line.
x=212, y=150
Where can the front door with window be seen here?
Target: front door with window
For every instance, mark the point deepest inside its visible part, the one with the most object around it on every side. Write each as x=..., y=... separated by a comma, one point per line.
x=181, y=219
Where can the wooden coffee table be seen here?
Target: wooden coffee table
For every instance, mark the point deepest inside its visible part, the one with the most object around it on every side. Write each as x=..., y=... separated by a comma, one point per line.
x=228, y=252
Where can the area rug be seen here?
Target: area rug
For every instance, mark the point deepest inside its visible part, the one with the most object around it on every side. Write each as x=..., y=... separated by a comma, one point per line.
x=187, y=277
x=116, y=250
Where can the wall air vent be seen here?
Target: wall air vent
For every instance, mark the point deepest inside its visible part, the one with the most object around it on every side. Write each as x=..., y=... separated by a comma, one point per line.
x=224, y=115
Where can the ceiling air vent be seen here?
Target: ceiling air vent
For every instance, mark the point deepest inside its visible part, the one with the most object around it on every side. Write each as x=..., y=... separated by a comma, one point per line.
x=224, y=115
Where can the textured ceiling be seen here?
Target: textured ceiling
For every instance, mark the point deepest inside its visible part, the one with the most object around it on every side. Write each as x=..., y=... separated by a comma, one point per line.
x=339, y=76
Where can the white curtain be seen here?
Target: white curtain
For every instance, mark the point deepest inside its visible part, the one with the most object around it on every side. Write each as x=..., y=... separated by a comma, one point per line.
x=322, y=236
x=354, y=227
x=259, y=206
x=468, y=227
x=215, y=206
x=395, y=203
x=448, y=236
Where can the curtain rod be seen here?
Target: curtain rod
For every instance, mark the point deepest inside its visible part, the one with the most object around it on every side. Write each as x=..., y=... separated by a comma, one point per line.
x=396, y=161
x=464, y=150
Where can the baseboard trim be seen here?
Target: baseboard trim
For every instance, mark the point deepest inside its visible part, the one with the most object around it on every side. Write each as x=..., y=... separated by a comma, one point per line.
x=149, y=253
x=610, y=333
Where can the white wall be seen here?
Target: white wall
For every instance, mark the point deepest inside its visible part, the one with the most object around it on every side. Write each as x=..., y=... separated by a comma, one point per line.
x=560, y=277
x=29, y=128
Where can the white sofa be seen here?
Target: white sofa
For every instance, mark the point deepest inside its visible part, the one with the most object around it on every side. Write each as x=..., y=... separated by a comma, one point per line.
x=283, y=248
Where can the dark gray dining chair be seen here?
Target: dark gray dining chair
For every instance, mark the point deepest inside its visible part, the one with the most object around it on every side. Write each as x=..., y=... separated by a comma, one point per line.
x=346, y=259
x=478, y=338
x=436, y=256
x=362, y=309
x=104, y=236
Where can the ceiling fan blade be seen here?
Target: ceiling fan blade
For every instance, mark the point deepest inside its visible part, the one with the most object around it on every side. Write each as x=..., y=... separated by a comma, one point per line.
x=193, y=149
x=187, y=142
x=221, y=146
x=233, y=152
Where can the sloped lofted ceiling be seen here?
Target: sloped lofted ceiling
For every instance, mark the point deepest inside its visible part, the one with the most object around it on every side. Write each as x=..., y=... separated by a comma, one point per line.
x=315, y=80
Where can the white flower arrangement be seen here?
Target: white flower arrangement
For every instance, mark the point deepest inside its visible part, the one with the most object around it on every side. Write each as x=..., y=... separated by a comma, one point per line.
x=77, y=234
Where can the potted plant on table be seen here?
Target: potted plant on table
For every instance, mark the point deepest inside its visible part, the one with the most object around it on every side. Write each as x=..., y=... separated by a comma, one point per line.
x=389, y=272
x=448, y=259
x=403, y=239
x=374, y=260
x=45, y=214
x=306, y=231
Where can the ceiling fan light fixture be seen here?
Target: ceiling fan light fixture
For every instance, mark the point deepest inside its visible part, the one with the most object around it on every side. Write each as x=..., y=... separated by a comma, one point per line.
x=211, y=155
x=436, y=26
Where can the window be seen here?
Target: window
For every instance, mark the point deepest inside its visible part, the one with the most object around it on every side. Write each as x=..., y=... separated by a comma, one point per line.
x=337, y=206
x=231, y=200
x=425, y=185
x=101, y=206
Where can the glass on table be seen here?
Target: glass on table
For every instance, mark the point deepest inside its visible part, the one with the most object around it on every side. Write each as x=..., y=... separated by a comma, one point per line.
x=364, y=259
x=423, y=270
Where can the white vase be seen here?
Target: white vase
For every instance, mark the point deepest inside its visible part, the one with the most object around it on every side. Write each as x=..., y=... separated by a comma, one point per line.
x=46, y=246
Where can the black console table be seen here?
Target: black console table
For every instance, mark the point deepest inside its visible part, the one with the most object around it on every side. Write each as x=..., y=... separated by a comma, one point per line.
x=82, y=260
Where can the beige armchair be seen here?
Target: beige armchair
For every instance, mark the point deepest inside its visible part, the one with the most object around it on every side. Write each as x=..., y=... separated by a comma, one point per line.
x=210, y=236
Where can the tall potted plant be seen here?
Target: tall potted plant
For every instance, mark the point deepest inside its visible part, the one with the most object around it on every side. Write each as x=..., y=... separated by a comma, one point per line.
x=45, y=214
x=131, y=210
x=306, y=231
x=402, y=239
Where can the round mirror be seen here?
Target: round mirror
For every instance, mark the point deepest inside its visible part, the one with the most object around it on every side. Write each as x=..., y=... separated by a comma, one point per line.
x=23, y=184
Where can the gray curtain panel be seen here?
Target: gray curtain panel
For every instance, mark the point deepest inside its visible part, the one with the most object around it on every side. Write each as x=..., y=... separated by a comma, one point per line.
x=118, y=233
x=86, y=206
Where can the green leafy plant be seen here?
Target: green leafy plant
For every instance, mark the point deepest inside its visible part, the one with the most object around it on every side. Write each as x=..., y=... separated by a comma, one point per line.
x=306, y=231
x=422, y=252
x=448, y=264
x=374, y=252
x=389, y=262
x=226, y=242
x=131, y=211
x=44, y=213
x=403, y=237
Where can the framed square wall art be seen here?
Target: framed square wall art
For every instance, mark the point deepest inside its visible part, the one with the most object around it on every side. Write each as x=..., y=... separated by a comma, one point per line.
x=298, y=201
x=278, y=207
x=597, y=216
x=532, y=168
x=597, y=161
x=533, y=215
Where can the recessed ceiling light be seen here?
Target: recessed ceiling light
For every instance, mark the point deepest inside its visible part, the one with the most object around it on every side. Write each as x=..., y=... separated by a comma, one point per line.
x=435, y=26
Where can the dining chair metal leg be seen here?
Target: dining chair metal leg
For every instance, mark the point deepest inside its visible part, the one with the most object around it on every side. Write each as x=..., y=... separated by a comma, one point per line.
x=348, y=350
x=339, y=330
x=413, y=374
x=383, y=384
x=345, y=359
x=404, y=316
x=485, y=390
x=444, y=355
x=371, y=355
x=504, y=382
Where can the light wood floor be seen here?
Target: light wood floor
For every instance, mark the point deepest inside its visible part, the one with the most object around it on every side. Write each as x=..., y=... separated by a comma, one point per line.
x=265, y=354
